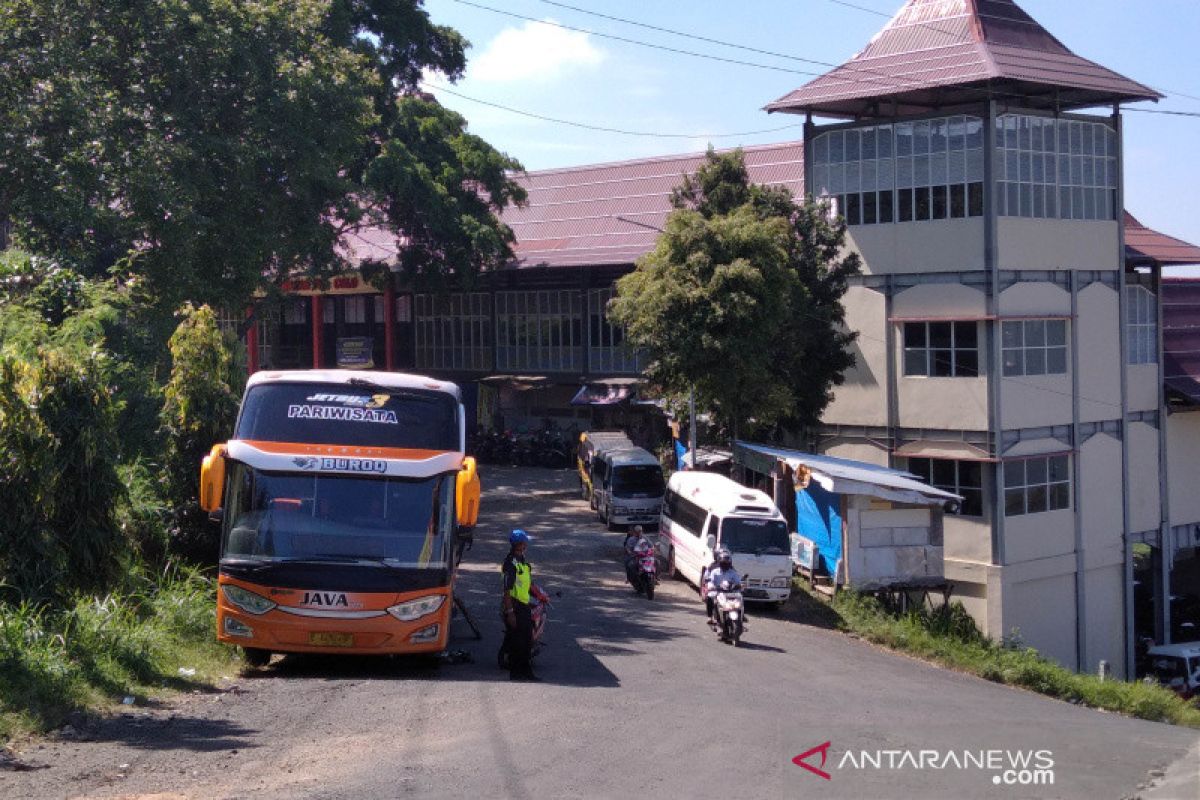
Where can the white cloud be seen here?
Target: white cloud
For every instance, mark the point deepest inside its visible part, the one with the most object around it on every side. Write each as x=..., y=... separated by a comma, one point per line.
x=533, y=52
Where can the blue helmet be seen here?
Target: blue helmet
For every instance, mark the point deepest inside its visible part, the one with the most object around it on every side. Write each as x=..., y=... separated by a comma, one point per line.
x=518, y=536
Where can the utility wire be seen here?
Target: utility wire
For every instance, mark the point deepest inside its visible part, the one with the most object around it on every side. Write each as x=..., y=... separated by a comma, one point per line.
x=622, y=131
x=614, y=37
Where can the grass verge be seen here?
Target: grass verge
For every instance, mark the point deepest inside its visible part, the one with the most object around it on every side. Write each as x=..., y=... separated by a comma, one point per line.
x=55, y=663
x=949, y=637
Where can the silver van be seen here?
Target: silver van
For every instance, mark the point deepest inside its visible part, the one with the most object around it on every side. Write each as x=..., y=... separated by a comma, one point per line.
x=627, y=487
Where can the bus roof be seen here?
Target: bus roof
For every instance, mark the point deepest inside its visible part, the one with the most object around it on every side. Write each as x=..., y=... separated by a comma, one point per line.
x=720, y=495
x=391, y=380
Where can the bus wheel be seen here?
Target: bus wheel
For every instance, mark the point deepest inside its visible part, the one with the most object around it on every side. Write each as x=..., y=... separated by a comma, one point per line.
x=671, y=570
x=256, y=657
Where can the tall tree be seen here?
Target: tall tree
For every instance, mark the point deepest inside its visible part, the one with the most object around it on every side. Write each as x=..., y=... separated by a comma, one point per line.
x=741, y=300
x=205, y=144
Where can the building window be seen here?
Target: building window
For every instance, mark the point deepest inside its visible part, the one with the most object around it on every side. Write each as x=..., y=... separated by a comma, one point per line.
x=1141, y=326
x=607, y=351
x=1055, y=168
x=961, y=477
x=355, y=310
x=910, y=171
x=453, y=331
x=540, y=330
x=1036, y=484
x=941, y=349
x=1035, y=347
x=295, y=312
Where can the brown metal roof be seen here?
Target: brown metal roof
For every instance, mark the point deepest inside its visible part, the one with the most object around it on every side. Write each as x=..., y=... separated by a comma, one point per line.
x=611, y=213
x=1147, y=245
x=939, y=53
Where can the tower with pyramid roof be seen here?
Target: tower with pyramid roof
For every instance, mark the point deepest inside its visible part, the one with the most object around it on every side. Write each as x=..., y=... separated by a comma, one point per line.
x=1004, y=353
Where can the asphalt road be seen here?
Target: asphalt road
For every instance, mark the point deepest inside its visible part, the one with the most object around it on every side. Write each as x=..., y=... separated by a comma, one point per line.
x=639, y=700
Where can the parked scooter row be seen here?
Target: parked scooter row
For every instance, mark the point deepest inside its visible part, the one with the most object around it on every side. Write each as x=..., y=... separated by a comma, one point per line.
x=545, y=448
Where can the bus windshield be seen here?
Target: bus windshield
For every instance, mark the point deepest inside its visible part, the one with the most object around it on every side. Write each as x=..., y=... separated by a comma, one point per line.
x=352, y=415
x=757, y=536
x=400, y=522
x=638, y=481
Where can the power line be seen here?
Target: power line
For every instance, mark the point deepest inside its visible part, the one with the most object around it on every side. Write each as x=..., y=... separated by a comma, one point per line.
x=604, y=129
x=1165, y=111
x=626, y=40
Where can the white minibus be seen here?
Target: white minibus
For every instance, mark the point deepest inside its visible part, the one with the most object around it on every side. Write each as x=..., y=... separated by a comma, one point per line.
x=703, y=511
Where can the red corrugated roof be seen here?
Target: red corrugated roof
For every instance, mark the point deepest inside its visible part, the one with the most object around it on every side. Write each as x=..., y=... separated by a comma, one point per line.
x=1181, y=337
x=609, y=213
x=1145, y=244
x=936, y=53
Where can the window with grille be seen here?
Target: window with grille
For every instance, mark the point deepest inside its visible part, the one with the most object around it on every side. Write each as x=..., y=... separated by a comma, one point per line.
x=355, y=309
x=941, y=349
x=1036, y=484
x=452, y=331
x=910, y=171
x=607, y=349
x=539, y=330
x=1141, y=326
x=1055, y=168
x=964, y=478
x=1035, y=347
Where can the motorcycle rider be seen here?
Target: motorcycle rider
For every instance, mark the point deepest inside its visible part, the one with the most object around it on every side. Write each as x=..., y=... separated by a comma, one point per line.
x=518, y=616
x=720, y=571
x=634, y=539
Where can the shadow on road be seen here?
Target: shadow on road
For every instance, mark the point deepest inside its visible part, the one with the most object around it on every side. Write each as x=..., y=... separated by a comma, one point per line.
x=175, y=733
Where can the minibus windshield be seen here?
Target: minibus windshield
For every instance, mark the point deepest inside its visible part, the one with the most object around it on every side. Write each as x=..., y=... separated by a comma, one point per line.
x=638, y=481
x=757, y=536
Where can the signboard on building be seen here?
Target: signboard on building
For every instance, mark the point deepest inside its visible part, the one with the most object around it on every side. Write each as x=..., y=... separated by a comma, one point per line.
x=355, y=352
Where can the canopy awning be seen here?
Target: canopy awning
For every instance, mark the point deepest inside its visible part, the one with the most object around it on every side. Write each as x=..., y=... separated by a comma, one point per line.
x=954, y=450
x=596, y=394
x=843, y=476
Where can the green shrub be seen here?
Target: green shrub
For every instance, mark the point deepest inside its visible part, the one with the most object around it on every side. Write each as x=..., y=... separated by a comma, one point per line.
x=199, y=408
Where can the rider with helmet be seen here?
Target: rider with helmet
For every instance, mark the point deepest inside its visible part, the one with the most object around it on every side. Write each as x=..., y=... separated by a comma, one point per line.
x=518, y=616
x=634, y=547
x=719, y=572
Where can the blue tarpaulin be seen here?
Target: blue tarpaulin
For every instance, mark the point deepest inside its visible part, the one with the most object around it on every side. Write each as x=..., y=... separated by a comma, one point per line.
x=680, y=452
x=818, y=518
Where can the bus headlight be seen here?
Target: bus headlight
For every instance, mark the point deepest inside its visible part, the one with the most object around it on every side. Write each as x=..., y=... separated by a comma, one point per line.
x=249, y=602
x=415, y=609
x=781, y=583
x=427, y=634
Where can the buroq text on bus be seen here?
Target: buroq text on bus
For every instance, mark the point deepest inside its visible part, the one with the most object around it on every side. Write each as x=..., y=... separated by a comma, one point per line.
x=340, y=497
x=703, y=511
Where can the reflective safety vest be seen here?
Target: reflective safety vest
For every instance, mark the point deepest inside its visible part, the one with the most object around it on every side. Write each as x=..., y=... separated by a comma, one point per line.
x=520, y=589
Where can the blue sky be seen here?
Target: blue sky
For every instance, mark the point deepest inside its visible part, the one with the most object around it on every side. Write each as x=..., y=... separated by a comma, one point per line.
x=690, y=102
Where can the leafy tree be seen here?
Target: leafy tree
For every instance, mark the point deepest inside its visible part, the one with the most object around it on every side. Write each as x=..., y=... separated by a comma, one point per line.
x=740, y=300
x=207, y=144
x=199, y=408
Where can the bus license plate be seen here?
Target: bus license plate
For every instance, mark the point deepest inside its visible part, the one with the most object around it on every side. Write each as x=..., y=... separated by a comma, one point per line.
x=331, y=639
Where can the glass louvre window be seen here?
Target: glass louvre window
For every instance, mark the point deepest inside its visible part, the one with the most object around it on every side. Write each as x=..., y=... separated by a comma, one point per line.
x=931, y=169
x=1141, y=326
x=964, y=478
x=1035, y=347
x=539, y=330
x=1036, y=484
x=1055, y=168
x=607, y=351
x=453, y=331
x=355, y=309
x=941, y=349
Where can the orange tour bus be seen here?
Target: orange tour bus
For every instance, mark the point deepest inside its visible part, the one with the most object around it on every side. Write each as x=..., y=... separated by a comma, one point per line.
x=340, y=497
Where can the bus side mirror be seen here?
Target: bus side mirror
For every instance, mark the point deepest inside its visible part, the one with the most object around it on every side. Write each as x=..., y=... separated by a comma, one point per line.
x=212, y=478
x=712, y=542
x=466, y=493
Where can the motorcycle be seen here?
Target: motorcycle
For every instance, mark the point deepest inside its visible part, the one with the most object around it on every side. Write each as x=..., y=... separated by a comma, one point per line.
x=539, y=604
x=731, y=616
x=642, y=571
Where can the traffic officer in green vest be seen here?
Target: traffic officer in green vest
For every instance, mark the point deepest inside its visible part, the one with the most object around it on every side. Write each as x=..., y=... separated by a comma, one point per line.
x=518, y=616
